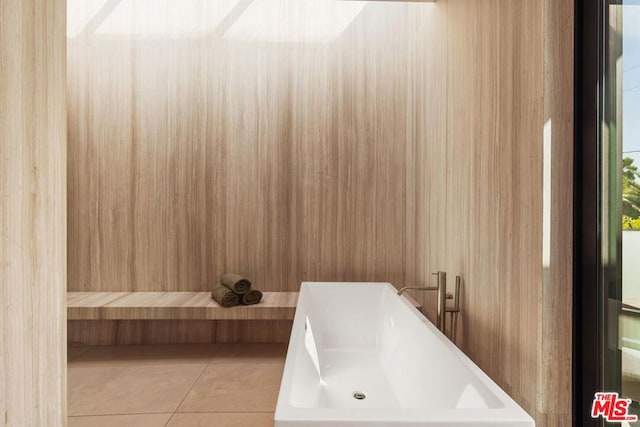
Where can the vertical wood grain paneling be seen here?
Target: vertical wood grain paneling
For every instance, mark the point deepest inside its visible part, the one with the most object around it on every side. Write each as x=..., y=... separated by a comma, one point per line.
x=494, y=187
x=554, y=381
x=192, y=156
x=427, y=146
x=32, y=213
x=508, y=71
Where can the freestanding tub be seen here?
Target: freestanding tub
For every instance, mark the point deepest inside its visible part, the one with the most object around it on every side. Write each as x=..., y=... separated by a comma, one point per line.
x=360, y=355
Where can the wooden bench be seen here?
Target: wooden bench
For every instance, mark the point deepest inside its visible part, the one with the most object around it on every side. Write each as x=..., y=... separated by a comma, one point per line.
x=177, y=306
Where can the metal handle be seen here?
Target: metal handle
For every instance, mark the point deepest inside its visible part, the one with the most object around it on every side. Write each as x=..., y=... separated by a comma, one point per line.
x=455, y=310
x=442, y=299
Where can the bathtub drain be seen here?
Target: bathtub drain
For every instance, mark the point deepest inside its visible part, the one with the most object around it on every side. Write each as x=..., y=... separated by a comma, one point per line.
x=359, y=395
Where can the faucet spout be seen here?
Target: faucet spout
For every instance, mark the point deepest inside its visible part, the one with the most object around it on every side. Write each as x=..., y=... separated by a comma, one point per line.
x=442, y=297
x=417, y=288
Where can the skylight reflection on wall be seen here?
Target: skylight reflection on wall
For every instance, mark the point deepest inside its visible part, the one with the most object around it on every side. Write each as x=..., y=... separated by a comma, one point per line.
x=279, y=21
x=147, y=19
x=294, y=21
x=80, y=13
x=165, y=18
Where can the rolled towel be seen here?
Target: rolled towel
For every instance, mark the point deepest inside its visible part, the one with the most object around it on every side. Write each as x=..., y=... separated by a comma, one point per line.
x=252, y=297
x=236, y=283
x=225, y=297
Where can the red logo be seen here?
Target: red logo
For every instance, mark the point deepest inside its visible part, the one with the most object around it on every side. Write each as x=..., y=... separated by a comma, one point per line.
x=610, y=407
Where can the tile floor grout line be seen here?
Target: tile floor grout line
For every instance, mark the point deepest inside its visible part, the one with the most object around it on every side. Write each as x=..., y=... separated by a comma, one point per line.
x=216, y=412
x=124, y=365
x=225, y=412
x=187, y=393
x=169, y=419
x=171, y=413
x=254, y=363
x=158, y=363
x=117, y=415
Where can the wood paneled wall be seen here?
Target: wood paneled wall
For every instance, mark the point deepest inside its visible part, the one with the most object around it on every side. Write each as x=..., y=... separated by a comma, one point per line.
x=486, y=211
x=284, y=161
x=554, y=380
x=494, y=184
x=32, y=213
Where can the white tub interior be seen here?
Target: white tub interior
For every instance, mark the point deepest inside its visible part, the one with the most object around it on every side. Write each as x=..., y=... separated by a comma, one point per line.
x=364, y=338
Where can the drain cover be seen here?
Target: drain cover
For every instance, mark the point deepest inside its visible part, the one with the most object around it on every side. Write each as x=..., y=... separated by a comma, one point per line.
x=359, y=395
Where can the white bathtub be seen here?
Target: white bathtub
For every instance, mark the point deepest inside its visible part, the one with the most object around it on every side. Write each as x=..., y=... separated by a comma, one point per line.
x=363, y=338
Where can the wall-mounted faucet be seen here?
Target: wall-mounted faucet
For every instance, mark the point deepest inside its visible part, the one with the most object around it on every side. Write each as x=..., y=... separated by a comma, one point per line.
x=443, y=296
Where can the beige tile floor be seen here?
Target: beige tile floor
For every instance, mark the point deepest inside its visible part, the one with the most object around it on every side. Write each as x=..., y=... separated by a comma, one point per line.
x=220, y=385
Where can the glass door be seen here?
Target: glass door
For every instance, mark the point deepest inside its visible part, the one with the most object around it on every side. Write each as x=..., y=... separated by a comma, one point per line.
x=624, y=45
x=620, y=199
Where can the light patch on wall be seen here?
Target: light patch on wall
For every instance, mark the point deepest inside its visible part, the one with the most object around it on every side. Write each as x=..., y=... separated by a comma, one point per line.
x=295, y=21
x=80, y=13
x=164, y=18
x=546, y=195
